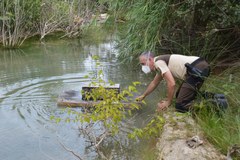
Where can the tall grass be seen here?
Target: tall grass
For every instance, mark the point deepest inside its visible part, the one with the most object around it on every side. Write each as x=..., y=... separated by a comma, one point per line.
x=146, y=21
x=182, y=27
x=223, y=129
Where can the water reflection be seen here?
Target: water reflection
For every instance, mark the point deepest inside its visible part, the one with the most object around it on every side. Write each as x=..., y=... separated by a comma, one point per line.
x=32, y=79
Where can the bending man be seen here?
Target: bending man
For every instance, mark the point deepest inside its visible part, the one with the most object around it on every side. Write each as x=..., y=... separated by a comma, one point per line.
x=190, y=69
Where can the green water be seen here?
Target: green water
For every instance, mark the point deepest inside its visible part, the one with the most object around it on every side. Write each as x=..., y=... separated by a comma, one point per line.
x=34, y=76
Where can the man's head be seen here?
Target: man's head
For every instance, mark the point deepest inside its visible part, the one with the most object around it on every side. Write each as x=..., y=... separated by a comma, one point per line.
x=147, y=59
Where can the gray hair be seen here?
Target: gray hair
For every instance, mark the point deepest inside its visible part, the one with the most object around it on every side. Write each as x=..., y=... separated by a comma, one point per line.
x=147, y=54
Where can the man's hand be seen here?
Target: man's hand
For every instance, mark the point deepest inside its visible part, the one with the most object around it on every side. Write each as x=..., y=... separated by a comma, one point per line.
x=140, y=98
x=163, y=105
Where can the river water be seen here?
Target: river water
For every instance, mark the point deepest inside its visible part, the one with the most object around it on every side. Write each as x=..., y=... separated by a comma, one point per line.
x=31, y=80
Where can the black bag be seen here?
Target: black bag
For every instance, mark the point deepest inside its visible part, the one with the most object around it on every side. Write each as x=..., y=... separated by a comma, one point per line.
x=195, y=72
x=218, y=99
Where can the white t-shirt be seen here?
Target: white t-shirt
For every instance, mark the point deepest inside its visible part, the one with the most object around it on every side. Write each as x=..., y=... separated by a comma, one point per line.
x=176, y=65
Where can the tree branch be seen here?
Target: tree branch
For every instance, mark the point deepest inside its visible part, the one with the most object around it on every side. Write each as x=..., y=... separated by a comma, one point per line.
x=67, y=149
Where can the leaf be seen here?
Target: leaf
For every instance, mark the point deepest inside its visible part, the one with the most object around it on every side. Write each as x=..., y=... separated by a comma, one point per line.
x=86, y=76
x=136, y=83
x=100, y=72
x=9, y=14
x=129, y=112
x=87, y=119
x=98, y=64
x=144, y=102
x=95, y=57
x=131, y=88
x=67, y=120
x=58, y=120
x=111, y=83
x=4, y=18
x=52, y=117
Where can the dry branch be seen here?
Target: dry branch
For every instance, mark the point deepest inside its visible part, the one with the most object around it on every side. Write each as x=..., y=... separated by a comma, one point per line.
x=69, y=150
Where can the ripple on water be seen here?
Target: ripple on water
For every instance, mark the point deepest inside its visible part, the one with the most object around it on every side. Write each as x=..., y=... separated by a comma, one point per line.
x=26, y=108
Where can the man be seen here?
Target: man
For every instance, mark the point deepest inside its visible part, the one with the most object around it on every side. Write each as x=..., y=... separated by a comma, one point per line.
x=190, y=69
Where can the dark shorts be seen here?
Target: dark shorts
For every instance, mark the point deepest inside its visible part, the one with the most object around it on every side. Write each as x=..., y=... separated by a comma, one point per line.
x=189, y=88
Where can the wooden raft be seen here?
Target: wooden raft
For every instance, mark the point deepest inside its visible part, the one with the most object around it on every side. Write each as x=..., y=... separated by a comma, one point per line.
x=73, y=98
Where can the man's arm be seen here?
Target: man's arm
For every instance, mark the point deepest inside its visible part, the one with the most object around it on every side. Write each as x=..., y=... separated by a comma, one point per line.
x=170, y=90
x=151, y=87
x=170, y=85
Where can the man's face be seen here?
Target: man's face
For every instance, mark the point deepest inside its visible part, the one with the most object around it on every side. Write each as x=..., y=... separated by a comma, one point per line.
x=144, y=60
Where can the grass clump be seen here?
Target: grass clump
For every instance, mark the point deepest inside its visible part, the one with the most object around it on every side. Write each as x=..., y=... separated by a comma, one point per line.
x=222, y=127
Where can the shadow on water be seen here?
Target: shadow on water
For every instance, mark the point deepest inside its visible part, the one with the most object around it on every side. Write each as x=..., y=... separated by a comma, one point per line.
x=31, y=80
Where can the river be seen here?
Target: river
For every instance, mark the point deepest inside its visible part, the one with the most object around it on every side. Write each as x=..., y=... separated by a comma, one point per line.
x=31, y=80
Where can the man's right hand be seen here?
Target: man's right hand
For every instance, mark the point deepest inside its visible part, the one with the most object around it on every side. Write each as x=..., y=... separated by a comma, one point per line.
x=140, y=98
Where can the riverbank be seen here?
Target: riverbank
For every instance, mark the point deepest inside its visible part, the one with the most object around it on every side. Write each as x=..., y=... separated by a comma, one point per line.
x=219, y=130
x=182, y=138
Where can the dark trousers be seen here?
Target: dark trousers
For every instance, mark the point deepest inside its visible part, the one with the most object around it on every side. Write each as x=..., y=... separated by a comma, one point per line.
x=188, y=89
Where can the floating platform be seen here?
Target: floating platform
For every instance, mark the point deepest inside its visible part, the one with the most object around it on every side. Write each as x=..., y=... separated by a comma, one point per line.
x=88, y=88
x=73, y=98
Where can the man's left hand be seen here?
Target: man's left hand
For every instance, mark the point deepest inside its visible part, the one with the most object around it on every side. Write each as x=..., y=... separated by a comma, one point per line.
x=163, y=105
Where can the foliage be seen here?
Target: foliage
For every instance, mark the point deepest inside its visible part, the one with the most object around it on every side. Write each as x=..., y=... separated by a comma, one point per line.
x=110, y=107
x=15, y=21
x=184, y=27
x=21, y=19
x=110, y=110
x=53, y=16
x=152, y=129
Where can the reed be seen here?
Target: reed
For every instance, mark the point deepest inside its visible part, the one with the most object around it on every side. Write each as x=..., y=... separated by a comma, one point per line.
x=183, y=27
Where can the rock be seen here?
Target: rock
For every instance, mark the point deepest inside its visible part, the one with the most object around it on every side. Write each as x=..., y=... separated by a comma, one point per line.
x=177, y=131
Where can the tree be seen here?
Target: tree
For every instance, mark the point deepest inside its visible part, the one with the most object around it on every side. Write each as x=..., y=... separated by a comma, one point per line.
x=16, y=21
